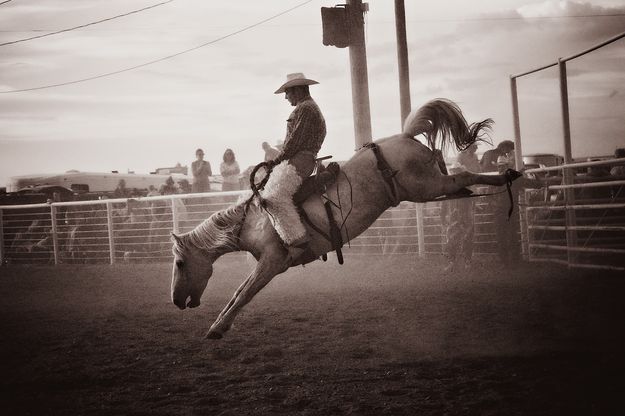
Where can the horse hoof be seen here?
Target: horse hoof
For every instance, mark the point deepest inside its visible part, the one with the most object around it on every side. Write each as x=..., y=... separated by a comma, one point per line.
x=214, y=335
x=512, y=174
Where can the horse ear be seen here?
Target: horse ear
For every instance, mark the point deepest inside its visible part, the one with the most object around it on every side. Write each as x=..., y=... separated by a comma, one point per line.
x=175, y=238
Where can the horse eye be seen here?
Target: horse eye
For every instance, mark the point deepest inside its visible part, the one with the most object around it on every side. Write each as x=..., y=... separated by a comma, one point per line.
x=179, y=264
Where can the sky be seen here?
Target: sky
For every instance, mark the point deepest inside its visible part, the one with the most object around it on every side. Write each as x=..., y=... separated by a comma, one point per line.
x=221, y=95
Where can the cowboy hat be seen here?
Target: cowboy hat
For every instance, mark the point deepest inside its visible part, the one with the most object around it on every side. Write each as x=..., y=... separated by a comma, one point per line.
x=293, y=80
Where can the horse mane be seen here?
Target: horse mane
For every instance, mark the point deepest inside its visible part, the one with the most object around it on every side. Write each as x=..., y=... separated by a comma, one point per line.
x=218, y=233
x=441, y=122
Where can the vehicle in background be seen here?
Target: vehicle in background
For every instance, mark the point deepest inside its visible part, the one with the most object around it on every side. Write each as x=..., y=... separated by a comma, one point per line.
x=90, y=181
x=542, y=160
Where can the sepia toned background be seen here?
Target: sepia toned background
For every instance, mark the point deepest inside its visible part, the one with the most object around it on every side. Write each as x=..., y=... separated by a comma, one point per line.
x=221, y=95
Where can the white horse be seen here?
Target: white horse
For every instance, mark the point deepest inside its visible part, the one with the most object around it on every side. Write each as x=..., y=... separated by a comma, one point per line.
x=361, y=185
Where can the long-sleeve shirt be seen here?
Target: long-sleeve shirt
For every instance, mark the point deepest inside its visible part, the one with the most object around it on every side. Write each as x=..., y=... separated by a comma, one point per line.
x=230, y=172
x=489, y=160
x=469, y=161
x=201, y=170
x=306, y=129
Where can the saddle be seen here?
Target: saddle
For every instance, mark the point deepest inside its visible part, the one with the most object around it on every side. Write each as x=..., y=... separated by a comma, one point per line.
x=317, y=185
x=313, y=185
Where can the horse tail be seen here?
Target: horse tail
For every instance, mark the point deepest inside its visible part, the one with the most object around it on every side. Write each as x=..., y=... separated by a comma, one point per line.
x=442, y=123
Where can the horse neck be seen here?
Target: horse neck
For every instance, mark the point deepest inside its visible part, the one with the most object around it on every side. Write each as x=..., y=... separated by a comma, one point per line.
x=256, y=232
x=219, y=234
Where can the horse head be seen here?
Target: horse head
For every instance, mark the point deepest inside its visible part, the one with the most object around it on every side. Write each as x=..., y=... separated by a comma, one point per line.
x=191, y=270
x=195, y=252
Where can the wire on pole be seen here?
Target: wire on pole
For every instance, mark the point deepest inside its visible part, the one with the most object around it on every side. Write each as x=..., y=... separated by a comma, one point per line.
x=108, y=74
x=85, y=25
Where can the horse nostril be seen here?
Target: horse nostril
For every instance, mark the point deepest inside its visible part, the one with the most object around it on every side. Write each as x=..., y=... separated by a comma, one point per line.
x=179, y=303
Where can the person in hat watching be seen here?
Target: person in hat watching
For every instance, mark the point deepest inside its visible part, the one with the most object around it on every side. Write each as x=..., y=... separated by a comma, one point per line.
x=489, y=158
x=306, y=130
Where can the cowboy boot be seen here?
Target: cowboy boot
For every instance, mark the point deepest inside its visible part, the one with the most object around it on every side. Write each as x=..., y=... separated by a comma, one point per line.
x=296, y=250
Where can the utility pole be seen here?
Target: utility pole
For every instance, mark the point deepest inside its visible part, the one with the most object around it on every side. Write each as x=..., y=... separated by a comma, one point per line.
x=402, y=58
x=358, y=66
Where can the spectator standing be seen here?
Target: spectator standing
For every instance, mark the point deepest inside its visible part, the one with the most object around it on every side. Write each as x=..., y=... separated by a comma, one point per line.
x=152, y=191
x=271, y=153
x=457, y=219
x=229, y=170
x=618, y=170
x=507, y=229
x=489, y=158
x=184, y=186
x=121, y=191
x=597, y=171
x=201, y=170
x=468, y=160
x=169, y=187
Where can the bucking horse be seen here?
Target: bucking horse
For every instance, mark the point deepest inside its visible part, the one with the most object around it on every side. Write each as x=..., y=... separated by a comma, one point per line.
x=378, y=176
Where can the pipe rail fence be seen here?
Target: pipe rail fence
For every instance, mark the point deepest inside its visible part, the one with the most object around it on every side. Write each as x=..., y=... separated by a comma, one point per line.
x=138, y=229
x=564, y=227
x=580, y=224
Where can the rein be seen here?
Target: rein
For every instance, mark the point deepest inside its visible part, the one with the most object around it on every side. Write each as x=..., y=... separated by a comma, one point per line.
x=253, y=186
x=255, y=191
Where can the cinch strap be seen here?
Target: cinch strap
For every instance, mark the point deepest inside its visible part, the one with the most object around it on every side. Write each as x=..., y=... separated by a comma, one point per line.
x=388, y=174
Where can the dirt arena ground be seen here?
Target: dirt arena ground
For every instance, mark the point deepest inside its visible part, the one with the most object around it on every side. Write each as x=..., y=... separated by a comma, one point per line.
x=377, y=336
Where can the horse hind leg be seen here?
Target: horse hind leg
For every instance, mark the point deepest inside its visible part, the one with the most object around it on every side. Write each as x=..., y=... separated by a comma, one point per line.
x=456, y=183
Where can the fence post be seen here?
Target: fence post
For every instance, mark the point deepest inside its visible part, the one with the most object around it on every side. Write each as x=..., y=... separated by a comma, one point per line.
x=109, y=224
x=55, y=236
x=174, y=216
x=1, y=238
x=518, y=150
x=569, y=194
x=420, y=230
x=529, y=217
x=522, y=204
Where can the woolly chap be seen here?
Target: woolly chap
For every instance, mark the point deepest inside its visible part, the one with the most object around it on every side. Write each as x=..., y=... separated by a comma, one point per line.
x=278, y=195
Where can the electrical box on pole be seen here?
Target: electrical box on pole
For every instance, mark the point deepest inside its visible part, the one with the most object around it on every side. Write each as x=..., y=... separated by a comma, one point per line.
x=342, y=27
x=335, y=24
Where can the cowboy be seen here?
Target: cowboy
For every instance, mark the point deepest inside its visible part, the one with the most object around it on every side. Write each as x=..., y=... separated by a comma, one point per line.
x=306, y=130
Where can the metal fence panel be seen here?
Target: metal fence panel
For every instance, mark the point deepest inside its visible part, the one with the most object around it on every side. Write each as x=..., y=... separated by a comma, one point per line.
x=138, y=230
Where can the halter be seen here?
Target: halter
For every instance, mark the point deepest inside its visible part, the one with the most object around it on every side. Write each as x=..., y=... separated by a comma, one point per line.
x=388, y=174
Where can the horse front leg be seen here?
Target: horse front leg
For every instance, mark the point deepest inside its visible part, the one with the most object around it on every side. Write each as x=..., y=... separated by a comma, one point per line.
x=265, y=270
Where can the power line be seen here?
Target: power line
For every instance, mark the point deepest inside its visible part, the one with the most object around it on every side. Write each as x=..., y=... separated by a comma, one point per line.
x=3, y=2
x=85, y=25
x=499, y=18
x=578, y=16
x=433, y=20
x=246, y=28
